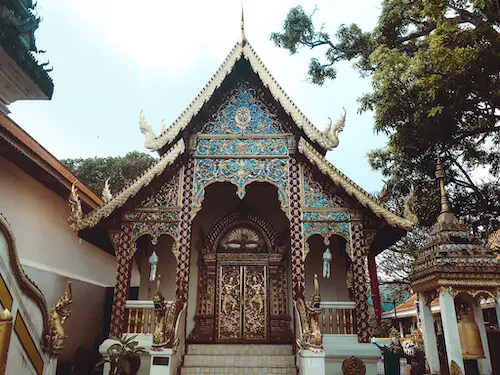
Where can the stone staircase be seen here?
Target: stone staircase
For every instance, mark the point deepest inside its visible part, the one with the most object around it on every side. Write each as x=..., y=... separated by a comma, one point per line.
x=239, y=359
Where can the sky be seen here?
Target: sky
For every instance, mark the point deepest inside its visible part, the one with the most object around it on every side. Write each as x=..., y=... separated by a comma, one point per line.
x=114, y=58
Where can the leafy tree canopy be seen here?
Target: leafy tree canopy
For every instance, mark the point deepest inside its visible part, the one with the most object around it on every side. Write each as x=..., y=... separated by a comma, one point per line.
x=121, y=170
x=435, y=70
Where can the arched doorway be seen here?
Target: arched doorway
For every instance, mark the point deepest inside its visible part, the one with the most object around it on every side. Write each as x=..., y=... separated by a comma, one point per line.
x=242, y=291
x=240, y=255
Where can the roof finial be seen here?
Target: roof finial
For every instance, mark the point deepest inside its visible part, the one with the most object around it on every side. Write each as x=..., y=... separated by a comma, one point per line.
x=441, y=175
x=447, y=221
x=243, y=40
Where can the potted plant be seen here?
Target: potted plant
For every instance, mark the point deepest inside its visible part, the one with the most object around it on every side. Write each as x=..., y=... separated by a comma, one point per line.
x=123, y=357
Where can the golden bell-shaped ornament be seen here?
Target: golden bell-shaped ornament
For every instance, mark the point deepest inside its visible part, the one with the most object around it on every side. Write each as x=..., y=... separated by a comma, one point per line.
x=470, y=339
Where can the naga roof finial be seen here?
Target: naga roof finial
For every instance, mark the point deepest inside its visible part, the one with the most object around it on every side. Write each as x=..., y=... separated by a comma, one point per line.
x=106, y=192
x=332, y=130
x=243, y=39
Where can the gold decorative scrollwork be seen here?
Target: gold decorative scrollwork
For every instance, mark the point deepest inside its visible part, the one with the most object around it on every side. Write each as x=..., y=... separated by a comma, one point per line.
x=255, y=311
x=230, y=303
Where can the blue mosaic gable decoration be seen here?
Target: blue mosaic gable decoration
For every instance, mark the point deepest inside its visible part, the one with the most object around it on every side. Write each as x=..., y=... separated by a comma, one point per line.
x=240, y=172
x=242, y=114
x=322, y=213
x=242, y=147
x=243, y=142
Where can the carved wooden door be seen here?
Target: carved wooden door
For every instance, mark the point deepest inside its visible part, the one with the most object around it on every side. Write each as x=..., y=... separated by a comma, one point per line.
x=242, y=312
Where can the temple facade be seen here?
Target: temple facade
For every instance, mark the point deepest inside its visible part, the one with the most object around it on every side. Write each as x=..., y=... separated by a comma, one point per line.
x=237, y=215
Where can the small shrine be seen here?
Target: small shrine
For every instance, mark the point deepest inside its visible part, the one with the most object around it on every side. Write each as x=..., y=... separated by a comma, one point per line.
x=459, y=269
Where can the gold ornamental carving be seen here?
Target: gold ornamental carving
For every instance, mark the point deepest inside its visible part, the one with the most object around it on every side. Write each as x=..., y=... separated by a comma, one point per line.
x=160, y=311
x=255, y=314
x=230, y=305
x=312, y=339
x=5, y=333
x=242, y=313
x=58, y=315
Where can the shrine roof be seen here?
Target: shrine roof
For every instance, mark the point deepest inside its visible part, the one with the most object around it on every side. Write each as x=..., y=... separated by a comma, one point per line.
x=90, y=220
x=241, y=50
x=19, y=148
x=352, y=188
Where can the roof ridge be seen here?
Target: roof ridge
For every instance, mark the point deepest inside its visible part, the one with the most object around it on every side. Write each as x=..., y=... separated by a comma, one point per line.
x=236, y=53
x=189, y=112
x=353, y=189
x=93, y=217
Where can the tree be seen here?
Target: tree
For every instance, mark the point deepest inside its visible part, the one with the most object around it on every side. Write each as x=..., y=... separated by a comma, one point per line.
x=122, y=170
x=435, y=70
x=395, y=264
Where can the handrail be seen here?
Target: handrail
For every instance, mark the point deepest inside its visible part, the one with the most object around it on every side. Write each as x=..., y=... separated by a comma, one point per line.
x=140, y=316
x=338, y=317
x=338, y=305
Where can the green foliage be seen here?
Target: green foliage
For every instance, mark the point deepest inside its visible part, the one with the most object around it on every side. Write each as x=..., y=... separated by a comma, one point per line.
x=122, y=355
x=122, y=170
x=435, y=69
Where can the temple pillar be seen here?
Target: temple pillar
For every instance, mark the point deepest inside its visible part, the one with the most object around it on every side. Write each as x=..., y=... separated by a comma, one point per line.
x=124, y=250
x=372, y=269
x=450, y=329
x=296, y=237
x=185, y=226
x=484, y=364
x=429, y=333
x=360, y=282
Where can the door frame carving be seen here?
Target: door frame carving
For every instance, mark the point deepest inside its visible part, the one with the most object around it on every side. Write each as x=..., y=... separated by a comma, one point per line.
x=279, y=321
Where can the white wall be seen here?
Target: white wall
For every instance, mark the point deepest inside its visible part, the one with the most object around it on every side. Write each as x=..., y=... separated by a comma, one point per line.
x=45, y=241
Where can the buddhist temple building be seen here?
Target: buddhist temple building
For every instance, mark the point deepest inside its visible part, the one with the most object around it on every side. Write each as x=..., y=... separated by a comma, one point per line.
x=237, y=215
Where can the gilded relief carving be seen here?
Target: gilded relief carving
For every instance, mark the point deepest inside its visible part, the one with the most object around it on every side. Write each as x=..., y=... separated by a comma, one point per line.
x=230, y=302
x=255, y=313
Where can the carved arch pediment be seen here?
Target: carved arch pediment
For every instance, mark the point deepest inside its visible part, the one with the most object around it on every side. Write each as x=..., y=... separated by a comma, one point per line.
x=238, y=219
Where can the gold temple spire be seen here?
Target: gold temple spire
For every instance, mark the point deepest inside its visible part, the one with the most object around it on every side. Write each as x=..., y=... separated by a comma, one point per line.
x=243, y=39
x=441, y=175
x=446, y=220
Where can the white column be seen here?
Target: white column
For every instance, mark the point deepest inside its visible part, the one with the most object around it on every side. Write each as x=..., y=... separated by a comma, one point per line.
x=484, y=364
x=450, y=329
x=429, y=333
x=401, y=331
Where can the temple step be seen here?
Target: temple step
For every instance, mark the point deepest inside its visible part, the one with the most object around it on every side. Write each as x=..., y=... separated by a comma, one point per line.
x=239, y=359
x=237, y=370
x=239, y=349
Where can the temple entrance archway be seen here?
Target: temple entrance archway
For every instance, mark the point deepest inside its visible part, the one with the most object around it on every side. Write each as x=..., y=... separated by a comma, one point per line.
x=242, y=267
x=242, y=286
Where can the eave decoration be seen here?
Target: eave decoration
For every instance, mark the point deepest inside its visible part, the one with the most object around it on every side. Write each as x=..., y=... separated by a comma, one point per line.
x=353, y=189
x=78, y=221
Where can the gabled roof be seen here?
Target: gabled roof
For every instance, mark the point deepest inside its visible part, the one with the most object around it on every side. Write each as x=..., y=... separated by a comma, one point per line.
x=90, y=220
x=351, y=188
x=243, y=50
x=19, y=148
x=239, y=51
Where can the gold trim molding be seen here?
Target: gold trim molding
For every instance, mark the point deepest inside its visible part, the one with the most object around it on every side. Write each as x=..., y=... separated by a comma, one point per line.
x=27, y=286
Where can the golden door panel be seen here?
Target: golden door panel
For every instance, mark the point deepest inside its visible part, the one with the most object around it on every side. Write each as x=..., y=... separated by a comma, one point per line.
x=230, y=292
x=255, y=309
x=247, y=321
